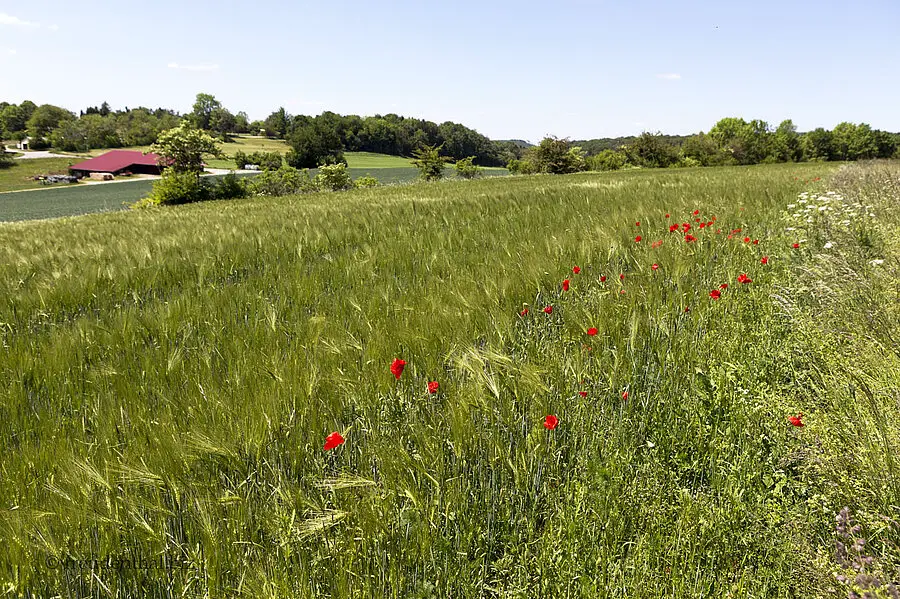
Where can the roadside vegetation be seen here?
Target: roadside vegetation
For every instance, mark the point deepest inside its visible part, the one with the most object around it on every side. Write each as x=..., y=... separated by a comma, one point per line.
x=525, y=387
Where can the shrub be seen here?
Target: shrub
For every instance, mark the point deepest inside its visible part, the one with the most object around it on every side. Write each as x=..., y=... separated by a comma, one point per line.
x=429, y=161
x=466, y=169
x=366, y=182
x=241, y=160
x=264, y=160
x=607, y=160
x=333, y=177
x=38, y=143
x=281, y=182
x=6, y=159
x=520, y=167
x=554, y=156
x=176, y=188
x=229, y=187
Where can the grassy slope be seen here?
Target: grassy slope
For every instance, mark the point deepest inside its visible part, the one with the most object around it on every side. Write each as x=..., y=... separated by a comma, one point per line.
x=171, y=375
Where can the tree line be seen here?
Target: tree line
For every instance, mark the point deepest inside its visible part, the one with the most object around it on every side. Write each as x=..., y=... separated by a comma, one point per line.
x=735, y=141
x=314, y=140
x=323, y=139
x=97, y=127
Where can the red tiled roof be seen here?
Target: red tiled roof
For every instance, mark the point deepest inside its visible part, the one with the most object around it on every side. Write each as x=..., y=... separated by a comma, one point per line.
x=115, y=160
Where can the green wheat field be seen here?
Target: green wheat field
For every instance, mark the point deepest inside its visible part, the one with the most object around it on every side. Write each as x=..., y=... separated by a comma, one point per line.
x=169, y=378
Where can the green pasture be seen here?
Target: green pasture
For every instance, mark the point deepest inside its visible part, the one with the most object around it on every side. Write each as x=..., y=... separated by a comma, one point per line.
x=19, y=175
x=170, y=376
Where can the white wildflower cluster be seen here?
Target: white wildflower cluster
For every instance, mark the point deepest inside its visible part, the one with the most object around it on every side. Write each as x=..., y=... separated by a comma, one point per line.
x=824, y=211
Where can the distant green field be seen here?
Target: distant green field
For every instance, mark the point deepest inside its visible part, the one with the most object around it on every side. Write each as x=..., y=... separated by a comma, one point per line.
x=373, y=160
x=73, y=200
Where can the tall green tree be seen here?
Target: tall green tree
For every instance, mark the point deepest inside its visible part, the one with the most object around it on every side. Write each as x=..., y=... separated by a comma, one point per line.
x=46, y=118
x=313, y=145
x=204, y=106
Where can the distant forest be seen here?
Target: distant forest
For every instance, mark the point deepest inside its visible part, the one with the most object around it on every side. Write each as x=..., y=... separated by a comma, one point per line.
x=322, y=139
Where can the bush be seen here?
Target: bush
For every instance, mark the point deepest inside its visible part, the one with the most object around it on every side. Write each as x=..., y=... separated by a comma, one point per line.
x=6, y=159
x=607, y=160
x=466, y=169
x=366, y=182
x=229, y=187
x=38, y=143
x=176, y=188
x=554, y=156
x=264, y=160
x=241, y=160
x=281, y=182
x=333, y=177
x=520, y=167
x=429, y=161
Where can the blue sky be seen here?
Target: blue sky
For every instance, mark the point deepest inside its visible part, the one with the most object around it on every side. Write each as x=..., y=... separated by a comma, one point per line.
x=510, y=69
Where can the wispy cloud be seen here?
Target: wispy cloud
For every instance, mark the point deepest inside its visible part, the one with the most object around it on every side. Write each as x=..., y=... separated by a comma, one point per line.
x=669, y=76
x=6, y=19
x=10, y=52
x=193, y=67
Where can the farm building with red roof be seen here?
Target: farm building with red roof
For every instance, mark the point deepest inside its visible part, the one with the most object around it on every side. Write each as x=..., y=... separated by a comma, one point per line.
x=118, y=162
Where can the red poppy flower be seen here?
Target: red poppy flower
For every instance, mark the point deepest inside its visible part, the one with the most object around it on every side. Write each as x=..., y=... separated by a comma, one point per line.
x=550, y=422
x=524, y=312
x=743, y=278
x=736, y=230
x=687, y=308
x=715, y=294
x=622, y=277
x=621, y=292
x=673, y=228
x=637, y=224
x=723, y=286
x=624, y=394
x=795, y=246
x=655, y=267
x=718, y=231
x=656, y=244
x=764, y=259
x=689, y=238
x=746, y=240
x=592, y=331
x=433, y=387
x=696, y=212
x=332, y=441
x=696, y=220
x=602, y=278
x=686, y=227
x=668, y=215
x=702, y=225
x=565, y=285
x=797, y=420
x=637, y=239
x=710, y=223
x=397, y=367
x=576, y=269
x=756, y=242
x=548, y=310
x=582, y=393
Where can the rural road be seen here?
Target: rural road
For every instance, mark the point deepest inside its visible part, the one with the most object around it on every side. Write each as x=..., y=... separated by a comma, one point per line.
x=37, y=154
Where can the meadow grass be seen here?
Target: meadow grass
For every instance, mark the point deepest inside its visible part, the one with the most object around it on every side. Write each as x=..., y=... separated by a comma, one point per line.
x=73, y=200
x=171, y=375
x=18, y=176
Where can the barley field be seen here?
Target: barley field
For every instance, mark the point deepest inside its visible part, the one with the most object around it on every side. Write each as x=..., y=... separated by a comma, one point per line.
x=599, y=385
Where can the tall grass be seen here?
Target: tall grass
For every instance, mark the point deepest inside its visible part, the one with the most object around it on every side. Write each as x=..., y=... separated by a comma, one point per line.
x=171, y=377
